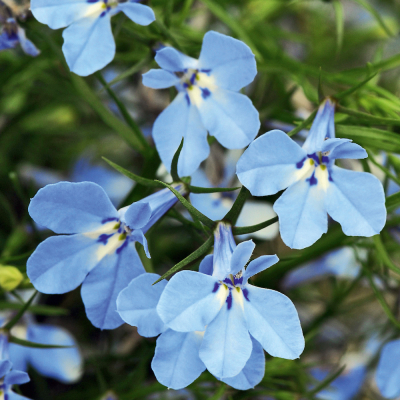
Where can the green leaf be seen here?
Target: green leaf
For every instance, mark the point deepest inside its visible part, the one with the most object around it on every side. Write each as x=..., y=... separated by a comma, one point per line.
x=304, y=124
x=201, y=251
x=196, y=214
x=134, y=177
x=372, y=119
x=233, y=213
x=241, y=230
x=347, y=92
x=27, y=343
x=196, y=189
x=20, y=313
x=321, y=95
x=174, y=164
x=339, y=14
x=383, y=254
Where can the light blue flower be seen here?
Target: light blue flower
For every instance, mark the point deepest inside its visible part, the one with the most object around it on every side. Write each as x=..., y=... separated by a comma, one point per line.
x=216, y=205
x=176, y=362
x=230, y=310
x=344, y=387
x=88, y=41
x=342, y=263
x=388, y=371
x=208, y=100
x=315, y=186
x=12, y=34
x=97, y=248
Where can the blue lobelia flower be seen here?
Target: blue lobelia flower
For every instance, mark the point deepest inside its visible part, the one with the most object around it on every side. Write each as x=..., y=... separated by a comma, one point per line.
x=216, y=205
x=220, y=301
x=12, y=34
x=315, y=186
x=176, y=362
x=97, y=248
x=208, y=100
x=388, y=371
x=88, y=41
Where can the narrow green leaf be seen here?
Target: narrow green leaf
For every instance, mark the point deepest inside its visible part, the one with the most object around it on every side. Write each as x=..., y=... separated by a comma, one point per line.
x=174, y=164
x=241, y=230
x=134, y=177
x=393, y=202
x=35, y=309
x=383, y=169
x=304, y=124
x=339, y=14
x=196, y=214
x=196, y=189
x=321, y=95
x=384, y=256
x=20, y=313
x=372, y=119
x=27, y=343
x=347, y=92
x=326, y=382
x=201, y=251
x=233, y=213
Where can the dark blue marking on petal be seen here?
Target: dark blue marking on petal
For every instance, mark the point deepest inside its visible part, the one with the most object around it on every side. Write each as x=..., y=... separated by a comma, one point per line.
x=103, y=14
x=92, y=1
x=227, y=281
x=314, y=157
x=246, y=294
x=187, y=99
x=109, y=220
x=301, y=163
x=312, y=179
x=216, y=286
x=206, y=71
x=229, y=300
x=193, y=78
x=325, y=159
x=238, y=281
x=120, y=248
x=216, y=203
x=104, y=238
x=205, y=93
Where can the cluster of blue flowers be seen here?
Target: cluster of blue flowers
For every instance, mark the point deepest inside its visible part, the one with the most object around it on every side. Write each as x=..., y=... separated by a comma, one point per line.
x=212, y=319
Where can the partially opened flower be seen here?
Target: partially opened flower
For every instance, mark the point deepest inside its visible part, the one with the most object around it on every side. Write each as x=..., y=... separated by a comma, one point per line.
x=315, y=186
x=388, y=371
x=220, y=301
x=88, y=41
x=176, y=362
x=208, y=100
x=98, y=249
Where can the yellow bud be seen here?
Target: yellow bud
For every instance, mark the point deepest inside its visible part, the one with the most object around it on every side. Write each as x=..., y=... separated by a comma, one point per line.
x=10, y=277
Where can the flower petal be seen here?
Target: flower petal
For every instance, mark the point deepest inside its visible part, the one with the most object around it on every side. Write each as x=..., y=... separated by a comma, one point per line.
x=343, y=148
x=61, y=263
x=137, y=215
x=159, y=79
x=5, y=366
x=89, y=44
x=231, y=61
x=71, y=207
x=176, y=363
x=138, y=13
x=104, y=283
x=226, y=344
x=15, y=377
x=27, y=46
x=230, y=117
x=65, y=365
x=356, y=200
x=241, y=256
x=388, y=371
x=173, y=60
x=272, y=319
x=269, y=164
x=137, y=303
x=258, y=265
x=190, y=301
x=177, y=120
x=206, y=265
x=253, y=372
x=302, y=214
x=60, y=13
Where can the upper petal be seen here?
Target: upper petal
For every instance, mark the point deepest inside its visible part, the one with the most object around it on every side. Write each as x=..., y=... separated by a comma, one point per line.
x=302, y=214
x=227, y=345
x=71, y=207
x=137, y=215
x=241, y=255
x=253, y=372
x=273, y=320
x=15, y=377
x=388, y=371
x=190, y=301
x=173, y=60
x=137, y=303
x=230, y=117
x=258, y=265
x=60, y=13
x=176, y=363
x=356, y=200
x=139, y=13
x=159, y=79
x=206, y=265
x=89, y=44
x=231, y=61
x=269, y=163
x=61, y=263
x=104, y=283
x=343, y=148
x=65, y=365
